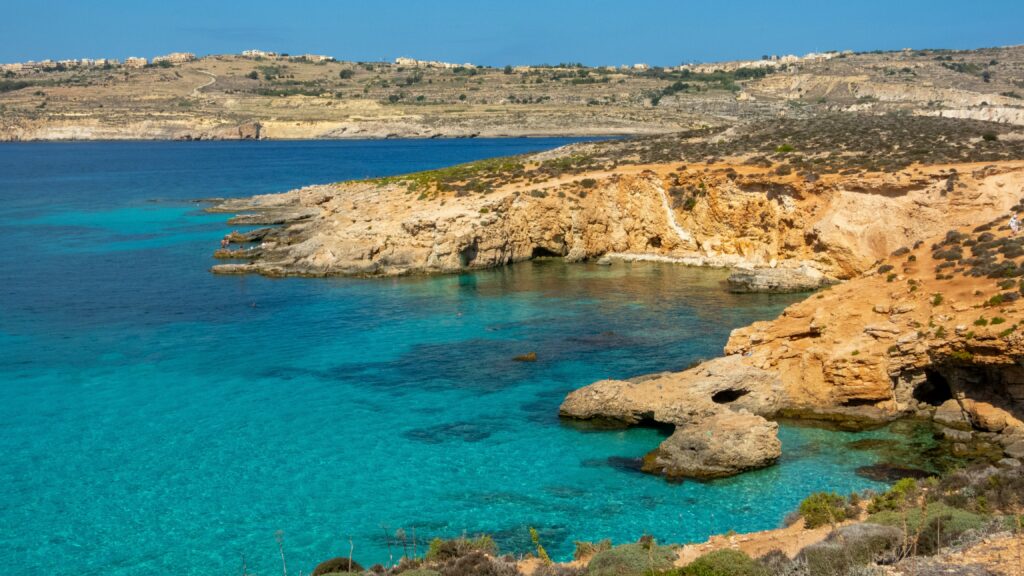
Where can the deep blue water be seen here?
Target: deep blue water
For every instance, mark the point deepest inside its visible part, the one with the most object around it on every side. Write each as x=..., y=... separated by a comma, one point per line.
x=157, y=419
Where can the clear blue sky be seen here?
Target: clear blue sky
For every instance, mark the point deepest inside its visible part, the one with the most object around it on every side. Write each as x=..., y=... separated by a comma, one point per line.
x=496, y=33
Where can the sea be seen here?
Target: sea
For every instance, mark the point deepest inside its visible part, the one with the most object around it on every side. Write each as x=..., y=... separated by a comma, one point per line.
x=158, y=419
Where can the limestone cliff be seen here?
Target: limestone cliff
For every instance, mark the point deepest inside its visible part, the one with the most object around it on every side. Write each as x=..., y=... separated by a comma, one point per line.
x=719, y=214
x=933, y=331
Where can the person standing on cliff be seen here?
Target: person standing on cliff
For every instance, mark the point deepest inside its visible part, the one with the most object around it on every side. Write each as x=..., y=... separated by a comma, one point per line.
x=1014, y=223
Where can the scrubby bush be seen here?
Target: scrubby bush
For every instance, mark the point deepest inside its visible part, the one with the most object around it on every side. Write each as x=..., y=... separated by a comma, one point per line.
x=442, y=550
x=724, y=563
x=939, y=515
x=631, y=560
x=776, y=562
x=895, y=498
x=477, y=563
x=559, y=570
x=822, y=508
x=850, y=547
x=337, y=566
x=420, y=572
x=586, y=550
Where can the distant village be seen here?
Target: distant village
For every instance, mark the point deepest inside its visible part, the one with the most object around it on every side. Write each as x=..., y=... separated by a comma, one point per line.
x=177, y=58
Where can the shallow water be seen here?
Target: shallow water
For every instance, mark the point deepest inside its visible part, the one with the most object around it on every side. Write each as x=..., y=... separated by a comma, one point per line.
x=155, y=418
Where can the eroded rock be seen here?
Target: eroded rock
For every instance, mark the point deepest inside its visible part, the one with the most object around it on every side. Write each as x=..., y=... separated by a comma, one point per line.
x=718, y=446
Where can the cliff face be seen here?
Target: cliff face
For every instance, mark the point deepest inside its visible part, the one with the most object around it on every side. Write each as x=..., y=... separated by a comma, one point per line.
x=935, y=323
x=720, y=214
x=933, y=331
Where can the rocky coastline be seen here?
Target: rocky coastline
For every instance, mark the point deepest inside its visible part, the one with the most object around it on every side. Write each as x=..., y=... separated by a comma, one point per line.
x=913, y=313
x=894, y=340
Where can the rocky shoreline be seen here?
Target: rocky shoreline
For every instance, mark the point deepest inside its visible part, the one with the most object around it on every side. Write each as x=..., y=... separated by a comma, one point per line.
x=897, y=342
x=894, y=340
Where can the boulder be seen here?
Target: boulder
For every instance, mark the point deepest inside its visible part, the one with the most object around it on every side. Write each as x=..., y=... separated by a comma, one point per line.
x=950, y=415
x=1015, y=450
x=721, y=445
x=987, y=417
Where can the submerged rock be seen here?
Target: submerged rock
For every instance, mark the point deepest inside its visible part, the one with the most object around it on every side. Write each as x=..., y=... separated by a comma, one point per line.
x=891, y=472
x=528, y=357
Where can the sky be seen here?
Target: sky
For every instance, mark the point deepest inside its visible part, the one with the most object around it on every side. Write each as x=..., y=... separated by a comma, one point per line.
x=593, y=32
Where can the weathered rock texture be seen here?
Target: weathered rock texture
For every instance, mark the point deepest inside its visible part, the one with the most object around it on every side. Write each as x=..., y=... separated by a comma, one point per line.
x=933, y=331
x=834, y=226
x=717, y=409
x=785, y=279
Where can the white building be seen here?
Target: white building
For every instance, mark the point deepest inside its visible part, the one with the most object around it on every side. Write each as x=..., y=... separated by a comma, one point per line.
x=258, y=54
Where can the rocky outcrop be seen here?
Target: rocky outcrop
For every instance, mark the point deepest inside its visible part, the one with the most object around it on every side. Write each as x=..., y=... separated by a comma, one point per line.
x=802, y=278
x=717, y=409
x=726, y=214
x=721, y=445
x=929, y=333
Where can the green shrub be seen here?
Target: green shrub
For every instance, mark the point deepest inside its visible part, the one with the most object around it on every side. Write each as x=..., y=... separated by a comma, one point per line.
x=631, y=560
x=420, y=572
x=937, y=299
x=943, y=525
x=477, y=563
x=822, y=508
x=954, y=519
x=724, y=563
x=337, y=566
x=894, y=498
x=442, y=550
x=589, y=549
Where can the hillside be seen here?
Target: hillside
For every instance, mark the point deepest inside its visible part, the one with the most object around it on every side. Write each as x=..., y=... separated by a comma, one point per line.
x=282, y=97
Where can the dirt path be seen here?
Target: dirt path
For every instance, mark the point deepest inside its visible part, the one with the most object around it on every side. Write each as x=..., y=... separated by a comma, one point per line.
x=213, y=78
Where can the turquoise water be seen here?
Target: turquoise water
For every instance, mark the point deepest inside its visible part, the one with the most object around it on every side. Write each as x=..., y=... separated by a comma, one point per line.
x=155, y=418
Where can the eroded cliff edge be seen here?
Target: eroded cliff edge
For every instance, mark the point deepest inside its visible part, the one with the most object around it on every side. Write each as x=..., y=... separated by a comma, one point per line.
x=933, y=332
x=823, y=198
x=829, y=198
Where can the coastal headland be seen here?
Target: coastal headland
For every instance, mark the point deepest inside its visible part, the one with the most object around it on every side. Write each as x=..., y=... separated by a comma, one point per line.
x=908, y=212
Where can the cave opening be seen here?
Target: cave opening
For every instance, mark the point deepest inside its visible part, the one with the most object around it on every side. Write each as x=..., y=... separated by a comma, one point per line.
x=934, y=390
x=542, y=252
x=654, y=242
x=728, y=395
x=468, y=254
x=854, y=402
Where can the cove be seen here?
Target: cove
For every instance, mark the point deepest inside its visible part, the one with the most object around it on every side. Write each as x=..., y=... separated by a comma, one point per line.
x=154, y=417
